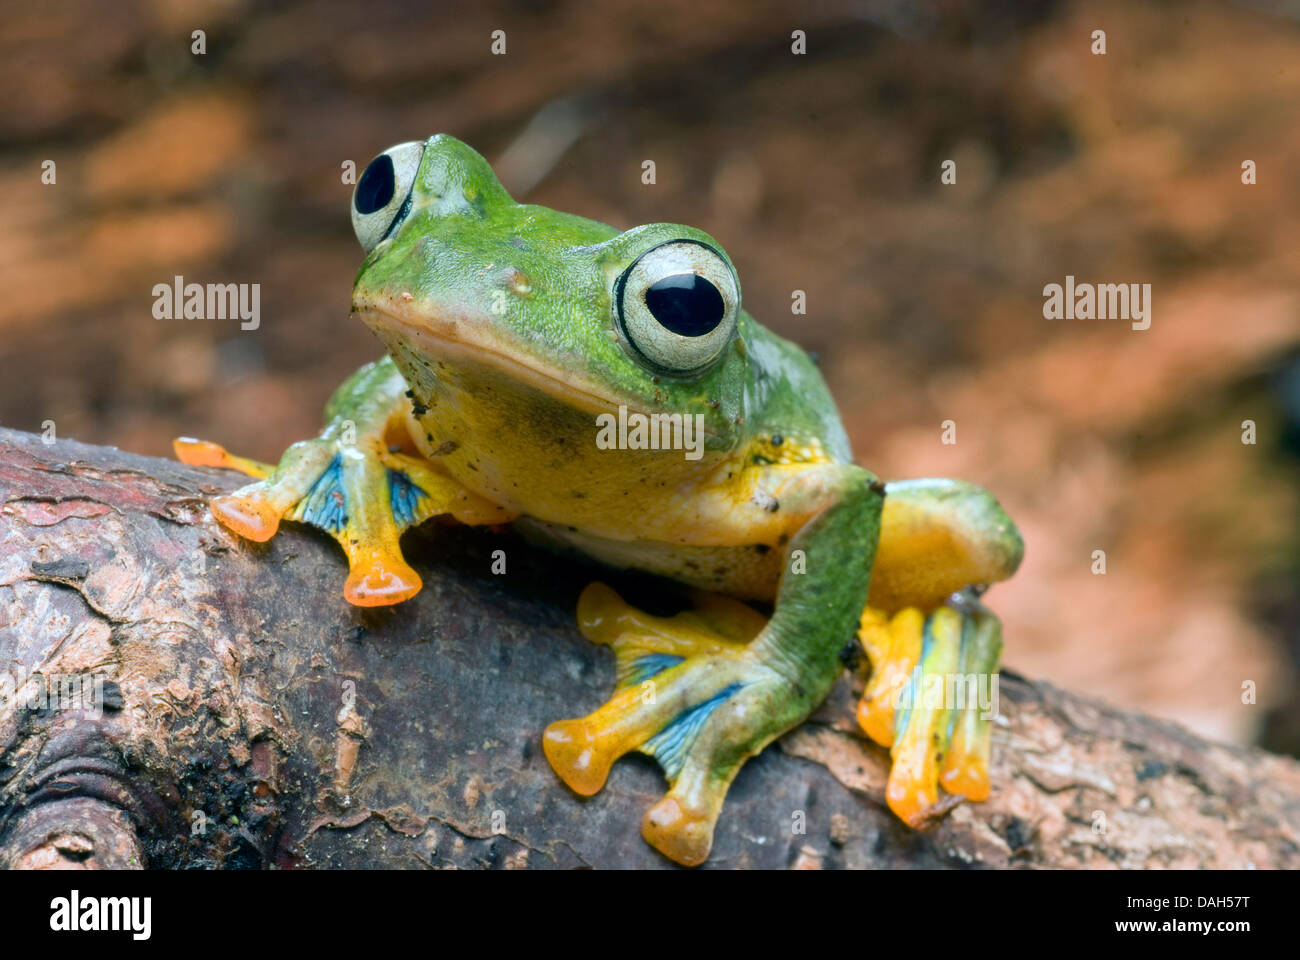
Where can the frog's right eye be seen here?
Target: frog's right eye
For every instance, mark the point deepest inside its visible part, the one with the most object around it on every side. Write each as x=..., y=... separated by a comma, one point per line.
x=676, y=306
x=382, y=197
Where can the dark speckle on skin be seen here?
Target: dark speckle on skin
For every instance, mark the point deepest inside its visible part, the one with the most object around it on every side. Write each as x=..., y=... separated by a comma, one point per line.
x=417, y=407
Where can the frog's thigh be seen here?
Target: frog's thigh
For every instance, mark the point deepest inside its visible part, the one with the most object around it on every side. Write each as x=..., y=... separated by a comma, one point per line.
x=354, y=483
x=938, y=537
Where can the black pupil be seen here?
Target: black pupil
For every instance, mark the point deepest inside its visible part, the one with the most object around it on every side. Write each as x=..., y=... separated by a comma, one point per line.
x=376, y=186
x=686, y=304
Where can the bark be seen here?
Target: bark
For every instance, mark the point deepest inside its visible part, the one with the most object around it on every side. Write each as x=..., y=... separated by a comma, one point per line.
x=248, y=717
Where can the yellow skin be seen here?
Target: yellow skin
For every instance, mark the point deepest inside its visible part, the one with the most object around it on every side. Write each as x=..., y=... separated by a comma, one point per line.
x=517, y=338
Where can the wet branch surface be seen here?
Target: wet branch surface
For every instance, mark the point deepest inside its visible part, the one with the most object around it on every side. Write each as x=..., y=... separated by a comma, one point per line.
x=251, y=718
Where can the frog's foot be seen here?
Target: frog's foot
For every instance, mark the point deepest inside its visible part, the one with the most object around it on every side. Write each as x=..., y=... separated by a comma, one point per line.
x=356, y=488
x=931, y=698
x=692, y=694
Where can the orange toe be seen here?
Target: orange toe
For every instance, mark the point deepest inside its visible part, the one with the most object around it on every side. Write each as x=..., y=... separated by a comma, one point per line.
x=684, y=836
x=380, y=583
x=199, y=453
x=250, y=516
x=876, y=718
x=575, y=756
x=913, y=788
x=966, y=775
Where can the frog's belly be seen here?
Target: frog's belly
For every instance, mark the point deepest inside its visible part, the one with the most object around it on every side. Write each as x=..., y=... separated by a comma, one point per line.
x=748, y=572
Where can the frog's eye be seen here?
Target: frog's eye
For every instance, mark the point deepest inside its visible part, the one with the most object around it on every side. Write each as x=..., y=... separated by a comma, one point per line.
x=676, y=305
x=382, y=197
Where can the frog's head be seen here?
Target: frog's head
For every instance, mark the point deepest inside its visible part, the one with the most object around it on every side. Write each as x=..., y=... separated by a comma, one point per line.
x=477, y=295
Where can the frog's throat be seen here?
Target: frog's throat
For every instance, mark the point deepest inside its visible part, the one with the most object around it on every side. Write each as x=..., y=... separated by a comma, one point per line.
x=458, y=340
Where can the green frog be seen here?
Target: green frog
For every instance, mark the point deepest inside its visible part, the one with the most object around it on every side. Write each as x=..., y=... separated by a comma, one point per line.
x=604, y=392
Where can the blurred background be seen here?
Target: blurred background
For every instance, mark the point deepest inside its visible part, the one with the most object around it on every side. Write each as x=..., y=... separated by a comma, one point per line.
x=818, y=172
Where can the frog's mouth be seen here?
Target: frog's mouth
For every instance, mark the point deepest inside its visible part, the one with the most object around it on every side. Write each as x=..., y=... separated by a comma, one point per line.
x=463, y=340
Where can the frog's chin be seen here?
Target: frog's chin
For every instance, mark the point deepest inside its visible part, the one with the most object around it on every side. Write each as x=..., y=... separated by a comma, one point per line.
x=460, y=341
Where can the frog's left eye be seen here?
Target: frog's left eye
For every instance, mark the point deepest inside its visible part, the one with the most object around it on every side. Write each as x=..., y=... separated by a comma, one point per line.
x=676, y=305
x=382, y=197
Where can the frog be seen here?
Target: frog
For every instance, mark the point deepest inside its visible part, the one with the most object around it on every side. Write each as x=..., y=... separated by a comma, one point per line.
x=603, y=393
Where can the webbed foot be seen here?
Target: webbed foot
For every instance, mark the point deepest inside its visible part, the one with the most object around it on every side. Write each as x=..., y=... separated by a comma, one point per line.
x=931, y=698
x=693, y=694
x=358, y=485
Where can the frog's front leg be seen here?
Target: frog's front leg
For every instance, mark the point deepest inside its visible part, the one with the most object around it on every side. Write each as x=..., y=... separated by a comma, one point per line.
x=702, y=700
x=360, y=481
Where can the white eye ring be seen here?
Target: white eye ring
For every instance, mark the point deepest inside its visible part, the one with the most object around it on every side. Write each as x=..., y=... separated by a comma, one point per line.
x=676, y=306
x=381, y=198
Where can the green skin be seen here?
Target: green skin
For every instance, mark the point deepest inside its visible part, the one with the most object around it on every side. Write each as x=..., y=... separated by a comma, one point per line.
x=762, y=385
x=500, y=319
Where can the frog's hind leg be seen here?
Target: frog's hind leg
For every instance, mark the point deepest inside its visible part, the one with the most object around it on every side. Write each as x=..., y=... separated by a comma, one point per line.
x=933, y=647
x=354, y=482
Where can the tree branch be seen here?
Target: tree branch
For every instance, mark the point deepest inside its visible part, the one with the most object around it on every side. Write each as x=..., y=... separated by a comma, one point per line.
x=248, y=716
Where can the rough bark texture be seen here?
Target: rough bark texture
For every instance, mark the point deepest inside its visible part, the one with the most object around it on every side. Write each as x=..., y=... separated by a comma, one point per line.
x=252, y=718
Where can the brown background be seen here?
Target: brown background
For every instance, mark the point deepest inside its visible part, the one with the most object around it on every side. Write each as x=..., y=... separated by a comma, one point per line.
x=817, y=172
